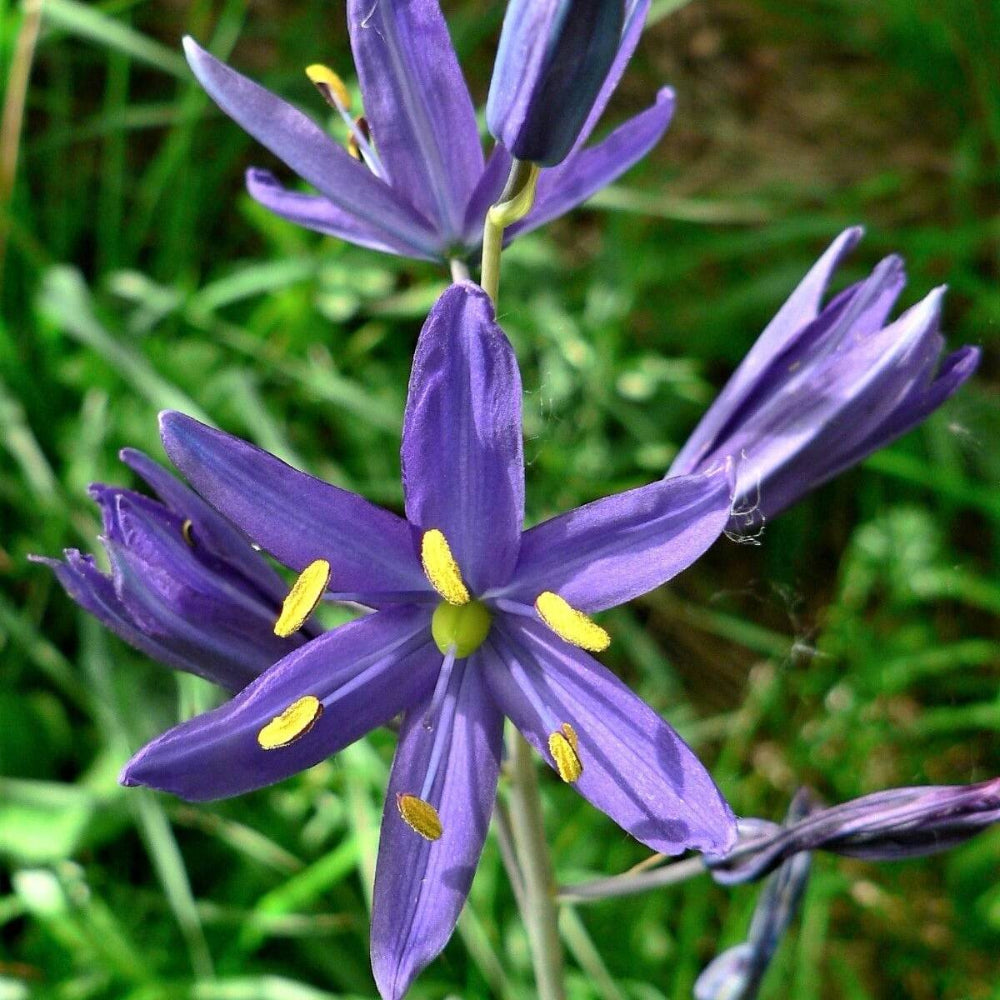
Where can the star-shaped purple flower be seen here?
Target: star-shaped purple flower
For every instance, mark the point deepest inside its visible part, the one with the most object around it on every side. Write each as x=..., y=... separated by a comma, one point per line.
x=476, y=620
x=420, y=186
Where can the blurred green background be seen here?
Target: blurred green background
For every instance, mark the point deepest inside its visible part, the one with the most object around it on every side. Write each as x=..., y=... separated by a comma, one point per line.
x=856, y=647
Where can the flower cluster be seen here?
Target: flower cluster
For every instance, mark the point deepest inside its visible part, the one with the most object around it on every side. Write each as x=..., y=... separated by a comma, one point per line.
x=469, y=619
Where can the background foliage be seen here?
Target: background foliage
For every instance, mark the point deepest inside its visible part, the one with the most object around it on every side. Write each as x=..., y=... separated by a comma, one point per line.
x=856, y=647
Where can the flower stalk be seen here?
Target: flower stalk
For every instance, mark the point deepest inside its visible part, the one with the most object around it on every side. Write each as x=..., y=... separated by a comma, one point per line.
x=514, y=204
x=538, y=899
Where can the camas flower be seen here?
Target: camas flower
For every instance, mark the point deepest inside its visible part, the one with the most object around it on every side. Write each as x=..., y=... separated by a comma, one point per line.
x=884, y=826
x=475, y=621
x=824, y=387
x=420, y=186
x=553, y=59
x=186, y=587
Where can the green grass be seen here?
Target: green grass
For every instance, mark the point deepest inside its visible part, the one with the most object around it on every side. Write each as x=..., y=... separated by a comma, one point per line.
x=857, y=647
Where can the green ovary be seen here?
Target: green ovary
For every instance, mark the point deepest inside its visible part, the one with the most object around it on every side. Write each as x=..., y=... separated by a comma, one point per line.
x=465, y=627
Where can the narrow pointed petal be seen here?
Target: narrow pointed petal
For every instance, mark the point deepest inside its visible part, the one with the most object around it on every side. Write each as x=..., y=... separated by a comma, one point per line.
x=231, y=665
x=310, y=152
x=635, y=767
x=585, y=172
x=795, y=316
x=845, y=406
x=208, y=527
x=619, y=547
x=421, y=885
x=419, y=108
x=362, y=674
x=463, y=464
x=295, y=517
x=956, y=369
x=322, y=215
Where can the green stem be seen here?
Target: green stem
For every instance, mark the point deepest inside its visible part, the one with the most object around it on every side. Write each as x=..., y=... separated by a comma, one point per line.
x=539, y=910
x=631, y=884
x=514, y=203
x=459, y=269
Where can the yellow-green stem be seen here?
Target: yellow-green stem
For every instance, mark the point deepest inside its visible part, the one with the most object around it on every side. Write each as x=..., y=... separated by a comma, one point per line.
x=514, y=203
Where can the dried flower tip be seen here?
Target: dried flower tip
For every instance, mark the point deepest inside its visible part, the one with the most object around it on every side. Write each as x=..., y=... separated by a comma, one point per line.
x=441, y=569
x=565, y=750
x=419, y=816
x=569, y=624
x=292, y=724
x=302, y=599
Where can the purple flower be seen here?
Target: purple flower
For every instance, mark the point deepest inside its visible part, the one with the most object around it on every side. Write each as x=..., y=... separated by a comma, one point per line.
x=553, y=59
x=475, y=621
x=186, y=587
x=738, y=972
x=885, y=826
x=824, y=387
x=420, y=186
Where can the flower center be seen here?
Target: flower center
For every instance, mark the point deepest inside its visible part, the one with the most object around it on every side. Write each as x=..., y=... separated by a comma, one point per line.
x=462, y=627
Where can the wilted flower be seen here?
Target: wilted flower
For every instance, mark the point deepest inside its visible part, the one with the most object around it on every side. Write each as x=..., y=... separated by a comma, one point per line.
x=885, y=826
x=420, y=186
x=738, y=972
x=186, y=587
x=553, y=59
x=824, y=387
x=475, y=621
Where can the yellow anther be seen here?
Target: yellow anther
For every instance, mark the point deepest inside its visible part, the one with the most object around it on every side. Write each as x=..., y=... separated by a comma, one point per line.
x=419, y=816
x=302, y=599
x=187, y=532
x=569, y=624
x=293, y=723
x=565, y=750
x=441, y=569
x=333, y=89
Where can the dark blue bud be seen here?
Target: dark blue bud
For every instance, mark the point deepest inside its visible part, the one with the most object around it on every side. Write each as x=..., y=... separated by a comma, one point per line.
x=553, y=59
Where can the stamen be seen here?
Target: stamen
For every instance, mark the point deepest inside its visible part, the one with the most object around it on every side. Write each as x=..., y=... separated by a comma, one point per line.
x=336, y=94
x=565, y=749
x=333, y=89
x=302, y=599
x=441, y=569
x=569, y=624
x=360, y=128
x=187, y=533
x=419, y=816
x=292, y=724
